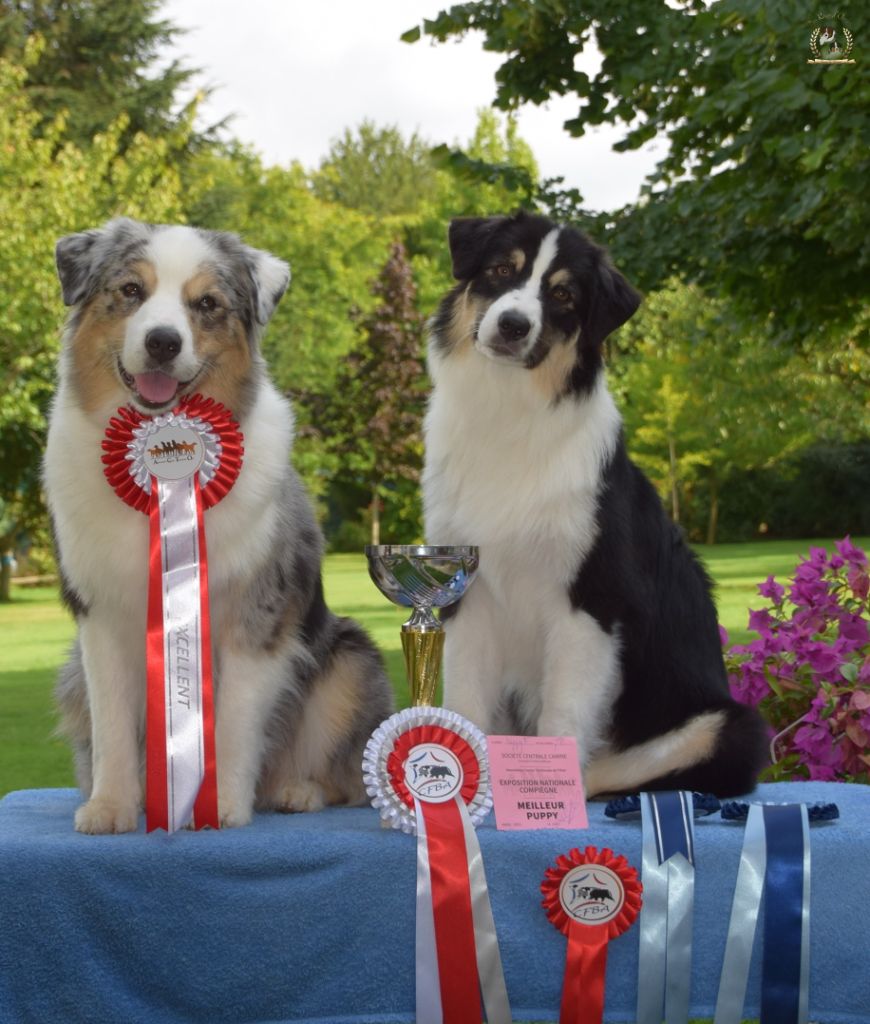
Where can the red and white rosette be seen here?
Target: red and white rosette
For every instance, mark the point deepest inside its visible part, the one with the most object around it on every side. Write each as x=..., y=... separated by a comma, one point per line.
x=172, y=467
x=592, y=897
x=426, y=771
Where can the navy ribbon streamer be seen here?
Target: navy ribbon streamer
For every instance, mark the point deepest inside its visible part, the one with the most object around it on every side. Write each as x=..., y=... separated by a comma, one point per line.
x=672, y=813
x=665, y=955
x=783, y=913
x=775, y=865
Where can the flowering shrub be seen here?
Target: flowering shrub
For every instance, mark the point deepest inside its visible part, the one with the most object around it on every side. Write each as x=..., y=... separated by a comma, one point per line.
x=808, y=673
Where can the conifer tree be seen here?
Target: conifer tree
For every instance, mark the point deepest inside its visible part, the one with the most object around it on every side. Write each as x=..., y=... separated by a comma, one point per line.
x=377, y=412
x=100, y=59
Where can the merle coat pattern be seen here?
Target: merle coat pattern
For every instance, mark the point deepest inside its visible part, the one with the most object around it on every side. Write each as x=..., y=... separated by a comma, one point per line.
x=158, y=312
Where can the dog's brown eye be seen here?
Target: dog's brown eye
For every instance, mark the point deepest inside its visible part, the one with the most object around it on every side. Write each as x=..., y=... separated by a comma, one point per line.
x=504, y=270
x=561, y=294
x=131, y=290
x=208, y=304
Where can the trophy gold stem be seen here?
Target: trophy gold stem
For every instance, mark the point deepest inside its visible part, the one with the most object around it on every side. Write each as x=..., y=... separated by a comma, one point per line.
x=423, y=649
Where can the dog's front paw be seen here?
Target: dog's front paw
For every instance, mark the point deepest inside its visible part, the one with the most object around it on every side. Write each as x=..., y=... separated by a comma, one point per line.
x=101, y=816
x=304, y=795
x=234, y=814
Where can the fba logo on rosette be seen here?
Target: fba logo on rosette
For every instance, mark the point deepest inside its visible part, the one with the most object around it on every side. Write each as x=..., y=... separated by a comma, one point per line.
x=173, y=467
x=433, y=773
x=592, y=895
x=426, y=771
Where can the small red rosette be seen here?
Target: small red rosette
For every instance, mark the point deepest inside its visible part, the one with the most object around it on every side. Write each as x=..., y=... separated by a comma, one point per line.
x=134, y=446
x=426, y=771
x=172, y=467
x=591, y=896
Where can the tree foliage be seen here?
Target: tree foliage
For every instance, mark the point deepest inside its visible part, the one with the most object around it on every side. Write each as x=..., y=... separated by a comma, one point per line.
x=705, y=400
x=376, y=170
x=375, y=413
x=101, y=60
x=49, y=187
x=762, y=192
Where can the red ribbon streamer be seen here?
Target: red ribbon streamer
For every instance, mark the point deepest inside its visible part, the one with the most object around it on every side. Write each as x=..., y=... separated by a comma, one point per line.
x=585, y=972
x=586, y=958
x=116, y=446
x=156, y=801
x=451, y=905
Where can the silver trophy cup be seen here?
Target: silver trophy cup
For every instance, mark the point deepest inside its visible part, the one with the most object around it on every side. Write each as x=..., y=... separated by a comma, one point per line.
x=422, y=577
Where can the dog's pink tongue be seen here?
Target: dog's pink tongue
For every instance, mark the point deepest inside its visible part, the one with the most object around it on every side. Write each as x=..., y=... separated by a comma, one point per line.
x=156, y=387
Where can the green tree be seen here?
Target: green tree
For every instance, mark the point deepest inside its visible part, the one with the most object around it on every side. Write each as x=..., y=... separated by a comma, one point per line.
x=49, y=188
x=762, y=192
x=376, y=410
x=101, y=60
x=704, y=400
x=376, y=170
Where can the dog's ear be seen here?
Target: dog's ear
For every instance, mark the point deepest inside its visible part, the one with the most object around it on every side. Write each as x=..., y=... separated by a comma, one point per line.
x=468, y=237
x=613, y=301
x=271, y=277
x=74, y=256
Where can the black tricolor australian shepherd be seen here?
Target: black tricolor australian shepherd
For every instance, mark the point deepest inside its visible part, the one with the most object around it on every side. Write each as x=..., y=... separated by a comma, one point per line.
x=590, y=617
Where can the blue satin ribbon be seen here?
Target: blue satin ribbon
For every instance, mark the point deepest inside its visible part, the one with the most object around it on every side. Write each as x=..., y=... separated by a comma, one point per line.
x=784, y=883
x=665, y=955
x=775, y=864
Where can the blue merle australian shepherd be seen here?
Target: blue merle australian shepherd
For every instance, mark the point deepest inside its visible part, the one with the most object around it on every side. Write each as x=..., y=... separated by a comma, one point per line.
x=158, y=312
x=590, y=617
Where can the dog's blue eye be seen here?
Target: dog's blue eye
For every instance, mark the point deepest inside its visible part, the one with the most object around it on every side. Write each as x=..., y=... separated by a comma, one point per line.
x=131, y=290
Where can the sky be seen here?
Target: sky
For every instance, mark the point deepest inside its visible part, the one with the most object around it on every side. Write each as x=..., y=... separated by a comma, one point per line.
x=297, y=73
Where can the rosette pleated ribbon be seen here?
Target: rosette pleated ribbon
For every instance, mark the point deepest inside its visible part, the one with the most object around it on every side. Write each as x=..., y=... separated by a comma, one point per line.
x=774, y=873
x=592, y=896
x=426, y=772
x=668, y=869
x=173, y=467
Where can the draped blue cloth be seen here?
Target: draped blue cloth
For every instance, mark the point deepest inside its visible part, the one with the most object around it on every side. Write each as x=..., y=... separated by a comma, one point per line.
x=310, y=917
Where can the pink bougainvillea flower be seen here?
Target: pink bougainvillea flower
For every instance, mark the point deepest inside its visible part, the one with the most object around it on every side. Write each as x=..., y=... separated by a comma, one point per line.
x=761, y=621
x=808, y=669
x=853, y=629
x=822, y=773
x=859, y=582
x=771, y=589
x=853, y=554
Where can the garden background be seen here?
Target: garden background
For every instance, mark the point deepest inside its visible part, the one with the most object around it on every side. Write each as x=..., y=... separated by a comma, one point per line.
x=743, y=379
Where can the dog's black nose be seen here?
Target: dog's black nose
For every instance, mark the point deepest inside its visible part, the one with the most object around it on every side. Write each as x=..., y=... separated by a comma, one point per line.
x=513, y=326
x=163, y=344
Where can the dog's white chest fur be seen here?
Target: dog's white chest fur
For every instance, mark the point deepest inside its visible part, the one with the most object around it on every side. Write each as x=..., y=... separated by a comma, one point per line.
x=114, y=571
x=520, y=479
x=504, y=468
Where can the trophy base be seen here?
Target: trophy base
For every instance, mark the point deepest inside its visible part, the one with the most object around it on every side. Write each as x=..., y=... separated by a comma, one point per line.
x=423, y=650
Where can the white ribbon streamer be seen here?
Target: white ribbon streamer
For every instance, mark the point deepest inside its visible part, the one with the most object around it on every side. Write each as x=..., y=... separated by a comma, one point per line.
x=804, y=998
x=744, y=919
x=489, y=968
x=665, y=952
x=185, y=757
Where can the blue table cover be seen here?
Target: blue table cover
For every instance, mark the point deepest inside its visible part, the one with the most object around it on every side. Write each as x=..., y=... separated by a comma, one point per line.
x=310, y=917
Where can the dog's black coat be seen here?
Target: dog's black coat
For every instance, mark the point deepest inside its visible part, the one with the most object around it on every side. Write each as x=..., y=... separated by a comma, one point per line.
x=639, y=579
x=642, y=575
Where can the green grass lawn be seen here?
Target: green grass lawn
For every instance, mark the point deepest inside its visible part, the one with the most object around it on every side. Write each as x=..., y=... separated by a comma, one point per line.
x=35, y=632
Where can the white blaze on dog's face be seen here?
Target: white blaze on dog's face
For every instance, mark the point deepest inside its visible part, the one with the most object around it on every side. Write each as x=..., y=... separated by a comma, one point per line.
x=511, y=326
x=162, y=311
x=532, y=295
